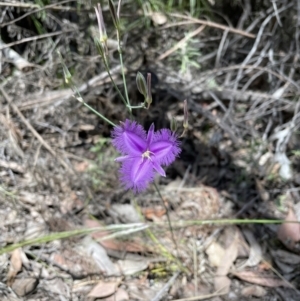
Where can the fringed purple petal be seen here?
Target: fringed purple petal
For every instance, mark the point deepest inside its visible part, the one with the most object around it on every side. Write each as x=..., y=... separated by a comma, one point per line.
x=125, y=158
x=143, y=153
x=150, y=134
x=136, y=174
x=158, y=168
x=129, y=138
x=165, y=147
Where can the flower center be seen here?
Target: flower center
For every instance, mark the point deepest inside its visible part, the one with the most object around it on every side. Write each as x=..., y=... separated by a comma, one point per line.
x=146, y=154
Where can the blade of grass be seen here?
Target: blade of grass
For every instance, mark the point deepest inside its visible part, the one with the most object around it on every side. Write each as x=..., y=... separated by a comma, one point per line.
x=68, y=234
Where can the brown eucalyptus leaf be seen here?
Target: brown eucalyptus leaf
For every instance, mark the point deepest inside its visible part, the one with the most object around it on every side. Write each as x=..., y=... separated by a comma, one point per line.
x=221, y=281
x=289, y=233
x=103, y=289
x=15, y=266
x=120, y=295
x=259, y=278
x=254, y=291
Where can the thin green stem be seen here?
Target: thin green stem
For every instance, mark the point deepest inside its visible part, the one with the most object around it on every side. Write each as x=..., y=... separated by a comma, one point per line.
x=180, y=224
x=162, y=248
x=95, y=112
x=123, y=70
x=80, y=99
x=68, y=80
x=168, y=216
x=113, y=82
x=165, y=252
x=120, y=231
x=142, y=106
x=45, y=239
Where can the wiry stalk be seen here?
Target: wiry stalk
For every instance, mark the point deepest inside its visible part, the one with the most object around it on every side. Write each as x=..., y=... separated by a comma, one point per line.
x=123, y=71
x=168, y=217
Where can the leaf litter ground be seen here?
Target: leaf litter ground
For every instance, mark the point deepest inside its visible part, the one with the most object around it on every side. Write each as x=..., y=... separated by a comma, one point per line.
x=58, y=174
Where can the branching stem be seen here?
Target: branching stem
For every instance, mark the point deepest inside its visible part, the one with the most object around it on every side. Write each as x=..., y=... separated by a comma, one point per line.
x=94, y=111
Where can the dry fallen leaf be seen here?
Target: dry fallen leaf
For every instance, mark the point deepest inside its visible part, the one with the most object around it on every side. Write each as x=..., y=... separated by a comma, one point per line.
x=289, y=233
x=287, y=262
x=117, y=245
x=283, y=267
x=75, y=260
x=221, y=281
x=103, y=289
x=259, y=278
x=60, y=288
x=130, y=267
x=98, y=253
x=215, y=253
x=255, y=253
x=15, y=266
x=120, y=295
x=254, y=291
x=126, y=213
x=153, y=214
x=286, y=257
x=265, y=266
x=59, y=259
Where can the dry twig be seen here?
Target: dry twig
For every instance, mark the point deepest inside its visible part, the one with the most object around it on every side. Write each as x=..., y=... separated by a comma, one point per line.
x=35, y=38
x=34, y=132
x=215, y=25
x=181, y=42
x=30, y=5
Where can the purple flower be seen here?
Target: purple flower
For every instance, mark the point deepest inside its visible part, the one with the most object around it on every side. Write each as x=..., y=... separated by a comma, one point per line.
x=143, y=153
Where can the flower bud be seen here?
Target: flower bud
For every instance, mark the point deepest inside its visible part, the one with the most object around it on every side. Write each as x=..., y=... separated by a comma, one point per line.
x=101, y=26
x=114, y=14
x=141, y=84
x=173, y=124
x=186, y=116
x=149, y=93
